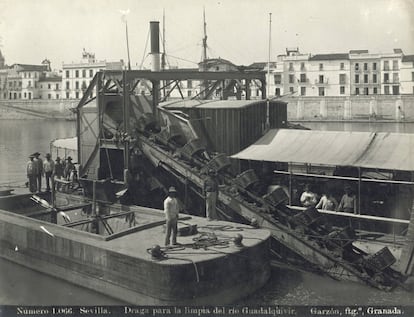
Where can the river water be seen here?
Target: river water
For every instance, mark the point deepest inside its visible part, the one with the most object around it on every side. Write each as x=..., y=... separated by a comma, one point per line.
x=19, y=285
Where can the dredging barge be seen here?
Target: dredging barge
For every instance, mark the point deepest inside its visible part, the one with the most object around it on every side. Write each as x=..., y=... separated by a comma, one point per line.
x=146, y=143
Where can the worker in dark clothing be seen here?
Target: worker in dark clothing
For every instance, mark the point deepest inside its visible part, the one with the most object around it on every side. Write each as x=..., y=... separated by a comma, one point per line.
x=210, y=192
x=39, y=170
x=31, y=174
x=58, y=171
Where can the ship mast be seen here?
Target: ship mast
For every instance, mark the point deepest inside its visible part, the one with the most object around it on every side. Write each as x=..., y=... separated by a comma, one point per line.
x=268, y=76
x=204, y=56
x=163, y=41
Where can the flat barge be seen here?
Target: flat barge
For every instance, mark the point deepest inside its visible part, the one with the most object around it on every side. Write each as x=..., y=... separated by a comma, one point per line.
x=215, y=262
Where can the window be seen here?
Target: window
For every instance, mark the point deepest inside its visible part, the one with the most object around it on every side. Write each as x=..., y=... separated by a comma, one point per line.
x=386, y=90
x=394, y=65
x=76, y=73
x=342, y=90
x=57, y=86
x=303, y=91
x=29, y=84
x=366, y=78
x=41, y=86
x=76, y=85
x=342, y=79
x=30, y=95
x=49, y=96
x=365, y=66
x=188, y=93
x=386, y=78
x=302, y=66
x=356, y=66
x=342, y=66
x=291, y=79
x=278, y=79
x=357, y=79
x=291, y=90
x=67, y=74
x=257, y=92
x=189, y=84
x=395, y=90
x=67, y=85
x=48, y=87
x=24, y=95
x=303, y=78
x=57, y=96
x=83, y=73
x=321, y=79
x=366, y=91
x=321, y=91
x=412, y=76
x=67, y=95
x=277, y=92
x=91, y=73
x=375, y=90
x=291, y=66
x=357, y=91
x=386, y=65
x=320, y=66
x=395, y=78
x=374, y=78
x=374, y=66
x=77, y=95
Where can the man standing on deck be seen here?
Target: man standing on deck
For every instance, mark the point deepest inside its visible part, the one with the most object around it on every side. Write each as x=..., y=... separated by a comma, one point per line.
x=171, y=210
x=211, y=190
x=48, y=168
x=58, y=171
x=31, y=174
x=39, y=170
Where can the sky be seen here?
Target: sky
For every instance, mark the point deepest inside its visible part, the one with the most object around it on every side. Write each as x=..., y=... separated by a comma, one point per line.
x=237, y=30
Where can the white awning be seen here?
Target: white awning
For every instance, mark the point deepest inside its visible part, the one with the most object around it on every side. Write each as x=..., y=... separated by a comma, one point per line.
x=393, y=151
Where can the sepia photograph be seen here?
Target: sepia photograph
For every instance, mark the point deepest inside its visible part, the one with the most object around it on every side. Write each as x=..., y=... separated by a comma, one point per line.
x=207, y=158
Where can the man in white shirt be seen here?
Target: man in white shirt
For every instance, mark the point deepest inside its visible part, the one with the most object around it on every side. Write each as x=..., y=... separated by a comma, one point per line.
x=308, y=198
x=171, y=210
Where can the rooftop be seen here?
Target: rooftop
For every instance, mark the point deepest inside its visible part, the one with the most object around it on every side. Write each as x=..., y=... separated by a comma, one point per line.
x=329, y=57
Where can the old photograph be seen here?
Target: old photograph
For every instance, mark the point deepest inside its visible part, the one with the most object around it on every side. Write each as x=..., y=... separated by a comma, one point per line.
x=206, y=158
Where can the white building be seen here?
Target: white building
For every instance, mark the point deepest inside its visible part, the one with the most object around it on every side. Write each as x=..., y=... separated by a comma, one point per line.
x=407, y=75
x=50, y=86
x=76, y=77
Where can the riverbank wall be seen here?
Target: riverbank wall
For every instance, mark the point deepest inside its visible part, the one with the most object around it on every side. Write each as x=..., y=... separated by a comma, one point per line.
x=38, y=109
x=351, y=108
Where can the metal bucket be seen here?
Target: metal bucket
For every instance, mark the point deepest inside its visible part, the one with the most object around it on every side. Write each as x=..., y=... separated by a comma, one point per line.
x=246, y=178
x=382, y=259
x=278, y=196
x=218, y=163
x=192, y=148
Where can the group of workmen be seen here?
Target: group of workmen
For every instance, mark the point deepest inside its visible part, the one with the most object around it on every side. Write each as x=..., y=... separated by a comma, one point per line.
x=327, y=201
x=172, y=206
x=37, y=168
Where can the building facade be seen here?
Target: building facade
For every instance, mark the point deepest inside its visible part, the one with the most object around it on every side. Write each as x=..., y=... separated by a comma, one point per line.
x=355, y=73
x=76, y=77
x=50, y=86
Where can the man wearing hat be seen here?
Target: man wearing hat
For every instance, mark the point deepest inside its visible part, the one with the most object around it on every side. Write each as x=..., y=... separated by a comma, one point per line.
x=31, y=174
x=58, y=171
x=171, y=210
x=39, y=170
x=48, y=168
x=211, y=190
x=69, y=169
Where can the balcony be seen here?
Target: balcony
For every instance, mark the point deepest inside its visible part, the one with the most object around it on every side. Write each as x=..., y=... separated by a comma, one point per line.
x=321, y=82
